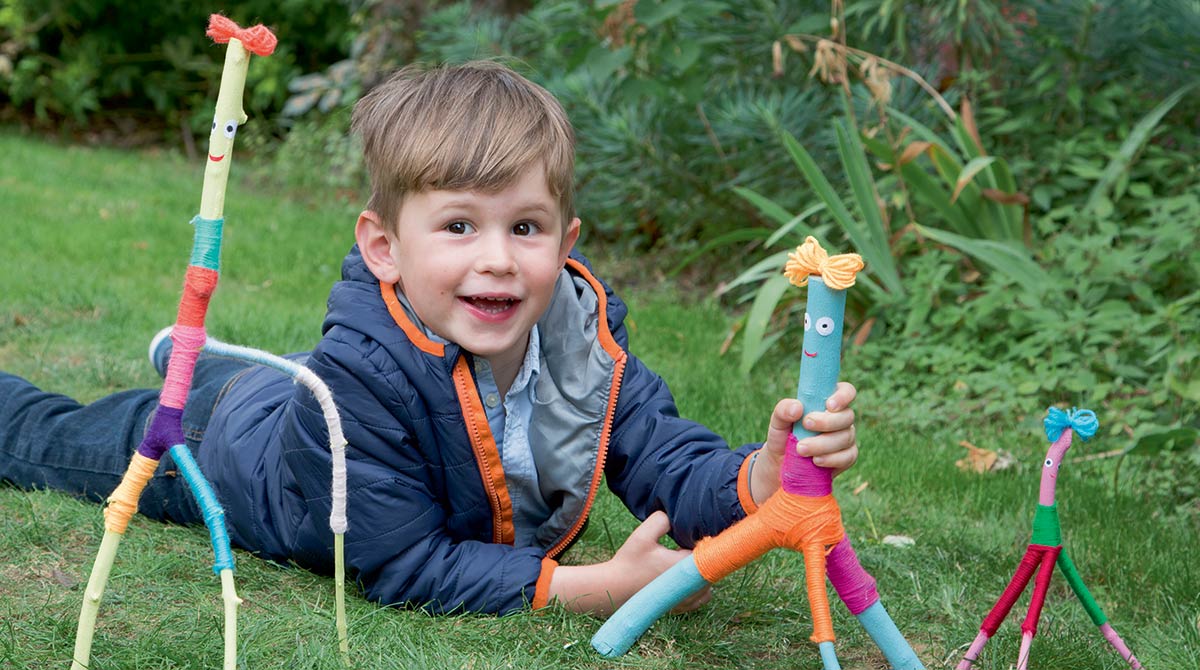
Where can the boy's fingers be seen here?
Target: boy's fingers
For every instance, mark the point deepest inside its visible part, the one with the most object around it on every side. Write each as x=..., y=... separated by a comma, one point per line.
x=787, y=412
x=654, y=527
x=839, y=460
x=828, y=422
x=694, y=601
x=843, y=395
x=822, y=444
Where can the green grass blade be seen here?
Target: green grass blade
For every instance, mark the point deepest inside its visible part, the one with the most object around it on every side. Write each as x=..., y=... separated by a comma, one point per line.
x=798, y=223
x=1009, y=260
x=1132, y=144
x=732, y=237
x=837, y=208
x=765, y=205
x=969, y=172
x=759, y=271
x=923, y=131
x=759, y=317
x=873, y=234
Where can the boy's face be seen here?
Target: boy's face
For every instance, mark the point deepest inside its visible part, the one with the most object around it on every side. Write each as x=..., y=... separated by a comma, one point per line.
x=479, y=268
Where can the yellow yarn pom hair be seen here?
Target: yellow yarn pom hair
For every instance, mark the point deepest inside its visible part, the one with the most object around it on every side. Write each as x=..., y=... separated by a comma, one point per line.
x=838, y=272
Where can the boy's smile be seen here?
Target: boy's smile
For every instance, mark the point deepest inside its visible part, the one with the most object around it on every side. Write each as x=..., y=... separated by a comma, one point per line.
x=478, y=268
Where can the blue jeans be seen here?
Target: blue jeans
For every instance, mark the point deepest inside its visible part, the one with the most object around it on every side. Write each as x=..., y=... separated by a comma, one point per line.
x=50, y=441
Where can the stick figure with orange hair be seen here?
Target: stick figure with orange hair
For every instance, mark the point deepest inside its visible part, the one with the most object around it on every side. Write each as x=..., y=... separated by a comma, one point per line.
x=165, y=434
x=802, y=515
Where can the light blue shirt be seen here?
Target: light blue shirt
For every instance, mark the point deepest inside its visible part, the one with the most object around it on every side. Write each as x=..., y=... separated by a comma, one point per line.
x=509, y=421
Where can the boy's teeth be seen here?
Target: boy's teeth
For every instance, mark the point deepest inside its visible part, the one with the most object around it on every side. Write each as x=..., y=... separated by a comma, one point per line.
x=493, y=305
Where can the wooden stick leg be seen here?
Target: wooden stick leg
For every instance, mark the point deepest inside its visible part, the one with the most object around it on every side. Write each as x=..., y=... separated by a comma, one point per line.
x=973, y=652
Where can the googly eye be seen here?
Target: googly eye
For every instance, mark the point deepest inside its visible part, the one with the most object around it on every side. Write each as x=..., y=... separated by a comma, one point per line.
x=1049, y=462
x=230, y=129
x=824, y=326
x=807, y=322
x=214, y=124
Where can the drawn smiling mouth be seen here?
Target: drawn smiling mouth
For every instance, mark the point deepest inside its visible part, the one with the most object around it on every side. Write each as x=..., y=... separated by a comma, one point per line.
x=812, y=355
x=216, y=159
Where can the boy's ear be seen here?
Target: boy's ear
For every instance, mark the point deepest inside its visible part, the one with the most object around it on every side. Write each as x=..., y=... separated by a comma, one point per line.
x=375, y=243
x=568, y=242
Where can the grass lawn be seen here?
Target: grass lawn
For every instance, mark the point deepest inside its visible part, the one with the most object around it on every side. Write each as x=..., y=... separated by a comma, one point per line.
x=92, y=249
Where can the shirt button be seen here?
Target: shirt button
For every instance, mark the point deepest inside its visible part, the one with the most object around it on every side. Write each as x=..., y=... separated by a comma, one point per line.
x=492, y=400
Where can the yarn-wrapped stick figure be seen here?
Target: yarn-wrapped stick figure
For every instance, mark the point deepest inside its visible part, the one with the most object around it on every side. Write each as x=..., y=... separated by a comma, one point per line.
x=802, y=515
x=1045, y=549
x=165, y=431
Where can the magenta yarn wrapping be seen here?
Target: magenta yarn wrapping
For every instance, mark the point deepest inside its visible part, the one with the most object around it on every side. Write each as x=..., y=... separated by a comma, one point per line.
x=853, y=584
x=164, y=432
x=800, y=476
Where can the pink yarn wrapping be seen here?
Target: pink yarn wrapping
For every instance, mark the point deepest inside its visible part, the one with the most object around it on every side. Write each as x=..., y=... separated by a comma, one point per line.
x=800, y=476
x=853, y=584
x=188, y=340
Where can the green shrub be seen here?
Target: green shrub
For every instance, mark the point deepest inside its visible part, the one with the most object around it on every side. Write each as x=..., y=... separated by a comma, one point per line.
x=94, y=61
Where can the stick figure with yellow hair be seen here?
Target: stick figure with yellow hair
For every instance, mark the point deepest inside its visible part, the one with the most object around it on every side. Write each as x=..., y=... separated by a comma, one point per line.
x=802, y=515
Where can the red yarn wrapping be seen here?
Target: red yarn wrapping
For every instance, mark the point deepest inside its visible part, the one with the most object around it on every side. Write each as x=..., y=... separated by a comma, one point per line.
x=257, y=39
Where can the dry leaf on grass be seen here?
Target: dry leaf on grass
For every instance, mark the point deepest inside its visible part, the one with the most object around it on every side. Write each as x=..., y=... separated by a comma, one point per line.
x=983, y=460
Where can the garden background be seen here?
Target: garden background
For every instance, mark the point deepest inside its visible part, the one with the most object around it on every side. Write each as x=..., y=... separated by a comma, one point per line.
x=1019, y=176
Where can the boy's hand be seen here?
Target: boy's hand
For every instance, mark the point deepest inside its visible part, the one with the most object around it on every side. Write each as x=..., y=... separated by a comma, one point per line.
x=641, y=559
x=835, y=447
x=601, y=588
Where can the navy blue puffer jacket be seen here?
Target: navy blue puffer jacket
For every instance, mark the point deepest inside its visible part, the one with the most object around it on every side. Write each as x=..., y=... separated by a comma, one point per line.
x=429, y=513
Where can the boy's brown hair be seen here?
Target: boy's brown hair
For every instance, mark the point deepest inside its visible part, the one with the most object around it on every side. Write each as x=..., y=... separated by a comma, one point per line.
x=475, y=126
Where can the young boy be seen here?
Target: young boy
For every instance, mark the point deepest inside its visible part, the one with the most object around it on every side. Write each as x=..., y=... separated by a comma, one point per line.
x=482, y=376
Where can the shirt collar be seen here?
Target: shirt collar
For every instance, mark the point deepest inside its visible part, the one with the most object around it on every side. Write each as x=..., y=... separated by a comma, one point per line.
x=531, y=366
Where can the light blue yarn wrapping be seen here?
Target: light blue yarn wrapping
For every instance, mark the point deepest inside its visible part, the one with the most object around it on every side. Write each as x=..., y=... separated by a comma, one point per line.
x=214, y=515
x=1082, y=421
x=828, y=656
x=879, y=625
x=819, y=375
x=206, y=247
x=646, y=606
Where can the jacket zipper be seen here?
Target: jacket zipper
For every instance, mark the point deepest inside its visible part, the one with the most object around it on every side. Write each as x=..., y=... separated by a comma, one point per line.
x=602, y=454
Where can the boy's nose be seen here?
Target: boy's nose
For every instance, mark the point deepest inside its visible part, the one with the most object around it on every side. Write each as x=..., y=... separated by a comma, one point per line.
x=495, y=257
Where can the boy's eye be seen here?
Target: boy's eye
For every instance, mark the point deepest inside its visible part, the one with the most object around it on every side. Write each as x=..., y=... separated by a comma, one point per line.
x=524, y=228
x=458, y=227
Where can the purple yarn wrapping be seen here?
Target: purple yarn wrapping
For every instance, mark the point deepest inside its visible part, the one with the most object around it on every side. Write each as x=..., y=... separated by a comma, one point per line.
x=853, y=584
x=800, y=476
x=165, y=431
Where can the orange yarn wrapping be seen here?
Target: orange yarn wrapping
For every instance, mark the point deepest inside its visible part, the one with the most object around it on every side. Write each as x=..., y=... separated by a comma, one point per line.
x=123, y=503
x=257, y=39
x=811, y=526
x=198, y=286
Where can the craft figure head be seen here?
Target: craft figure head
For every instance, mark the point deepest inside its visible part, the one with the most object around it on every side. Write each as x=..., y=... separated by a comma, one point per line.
x=1059, y=425
x=825, y=311
x=229, y=114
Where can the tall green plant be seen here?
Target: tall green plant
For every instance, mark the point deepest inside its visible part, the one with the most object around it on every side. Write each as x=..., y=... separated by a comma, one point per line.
x=859, y=219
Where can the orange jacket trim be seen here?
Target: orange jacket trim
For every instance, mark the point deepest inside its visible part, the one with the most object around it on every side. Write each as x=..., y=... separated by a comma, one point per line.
x=388, y=291
x=486, y=454
x=606, y=339
x=541, y=593
x=610, y=345
x=743, y=485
